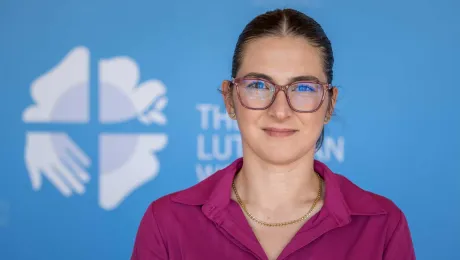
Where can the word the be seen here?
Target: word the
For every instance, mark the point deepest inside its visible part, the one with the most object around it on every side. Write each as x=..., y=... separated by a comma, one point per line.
x=212, y=116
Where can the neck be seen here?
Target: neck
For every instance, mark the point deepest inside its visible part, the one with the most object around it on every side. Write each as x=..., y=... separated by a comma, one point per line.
x=274, y=186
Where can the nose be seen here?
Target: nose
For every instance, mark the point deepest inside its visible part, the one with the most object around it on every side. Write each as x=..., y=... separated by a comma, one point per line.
x=280, y=108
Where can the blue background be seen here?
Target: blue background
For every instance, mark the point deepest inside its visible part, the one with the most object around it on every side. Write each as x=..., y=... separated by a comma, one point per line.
x=396, y=67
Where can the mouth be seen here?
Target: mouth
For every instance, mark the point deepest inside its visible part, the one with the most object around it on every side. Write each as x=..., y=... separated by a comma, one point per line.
x=279, y=132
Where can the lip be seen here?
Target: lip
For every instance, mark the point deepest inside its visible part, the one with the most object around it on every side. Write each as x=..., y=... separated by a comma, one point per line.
x=279, y=132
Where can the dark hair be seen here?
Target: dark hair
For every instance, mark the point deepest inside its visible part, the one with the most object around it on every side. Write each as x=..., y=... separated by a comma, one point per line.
x=287, y=22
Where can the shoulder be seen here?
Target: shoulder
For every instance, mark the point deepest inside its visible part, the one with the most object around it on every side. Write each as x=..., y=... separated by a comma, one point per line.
x=384, y=213
x=361, y=200
x=356, y=200
x=195, y=195
x=366, y=203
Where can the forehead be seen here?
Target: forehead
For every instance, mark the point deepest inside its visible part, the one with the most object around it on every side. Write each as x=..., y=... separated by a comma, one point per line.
x=282, y=58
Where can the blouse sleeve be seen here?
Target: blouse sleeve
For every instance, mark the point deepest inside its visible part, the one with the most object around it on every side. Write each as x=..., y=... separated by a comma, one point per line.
x=400, y=246
x=149, y=243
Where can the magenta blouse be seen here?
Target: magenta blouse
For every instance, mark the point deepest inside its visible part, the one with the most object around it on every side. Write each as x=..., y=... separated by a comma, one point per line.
x=203, y=222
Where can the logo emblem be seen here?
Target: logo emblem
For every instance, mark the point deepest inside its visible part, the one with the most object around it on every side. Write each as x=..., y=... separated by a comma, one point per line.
x=61, y=97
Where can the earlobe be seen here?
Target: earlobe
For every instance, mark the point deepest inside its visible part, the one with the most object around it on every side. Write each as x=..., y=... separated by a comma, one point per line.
x=231, y=107
x=232, y=115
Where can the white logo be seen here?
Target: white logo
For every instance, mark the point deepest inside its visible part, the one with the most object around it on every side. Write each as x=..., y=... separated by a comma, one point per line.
x=62, y=94
x=124, y=170
x=121, y=98
x=127, y=161
x=56, y=157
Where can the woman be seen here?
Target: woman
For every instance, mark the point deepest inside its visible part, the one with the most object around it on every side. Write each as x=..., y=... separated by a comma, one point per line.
x=277, y=202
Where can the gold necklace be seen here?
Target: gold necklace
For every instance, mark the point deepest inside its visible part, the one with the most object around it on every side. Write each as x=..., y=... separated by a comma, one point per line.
x=318, y=198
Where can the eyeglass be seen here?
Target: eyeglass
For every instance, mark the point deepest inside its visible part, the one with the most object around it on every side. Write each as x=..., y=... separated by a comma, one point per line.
x=302, y=96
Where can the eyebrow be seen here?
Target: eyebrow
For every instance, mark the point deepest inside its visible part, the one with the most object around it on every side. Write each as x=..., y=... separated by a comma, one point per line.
x=291, y=80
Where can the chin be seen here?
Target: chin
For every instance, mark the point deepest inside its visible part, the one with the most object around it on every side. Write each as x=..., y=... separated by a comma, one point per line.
x=277, y=151
x=280, y=156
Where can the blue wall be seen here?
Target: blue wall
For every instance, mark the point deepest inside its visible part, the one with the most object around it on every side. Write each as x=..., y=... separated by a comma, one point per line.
x=124, y=94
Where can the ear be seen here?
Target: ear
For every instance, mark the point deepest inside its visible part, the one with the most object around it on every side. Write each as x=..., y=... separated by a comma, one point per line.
x=227, y=95
x=331, y=106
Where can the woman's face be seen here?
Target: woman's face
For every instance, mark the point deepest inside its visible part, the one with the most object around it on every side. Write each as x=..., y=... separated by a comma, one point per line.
x=278, y=134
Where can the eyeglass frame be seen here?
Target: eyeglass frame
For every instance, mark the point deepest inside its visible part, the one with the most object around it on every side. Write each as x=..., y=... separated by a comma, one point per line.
x=284, y=88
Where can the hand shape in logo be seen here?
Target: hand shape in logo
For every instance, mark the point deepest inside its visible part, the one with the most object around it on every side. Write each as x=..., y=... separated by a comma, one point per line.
x=56, y=157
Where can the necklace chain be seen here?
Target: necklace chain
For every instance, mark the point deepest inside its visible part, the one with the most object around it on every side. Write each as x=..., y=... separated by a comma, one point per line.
x=317, y=199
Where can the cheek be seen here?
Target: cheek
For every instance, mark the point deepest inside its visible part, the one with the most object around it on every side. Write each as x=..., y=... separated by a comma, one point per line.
x=244, y=114
x=313, y=122
x=247, y=117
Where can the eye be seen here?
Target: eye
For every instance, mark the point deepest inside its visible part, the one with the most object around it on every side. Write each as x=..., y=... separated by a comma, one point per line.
x=256, y=85
x=305, y=87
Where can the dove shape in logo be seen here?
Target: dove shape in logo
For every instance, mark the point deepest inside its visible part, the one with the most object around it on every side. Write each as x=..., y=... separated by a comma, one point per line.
x=122, y=98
